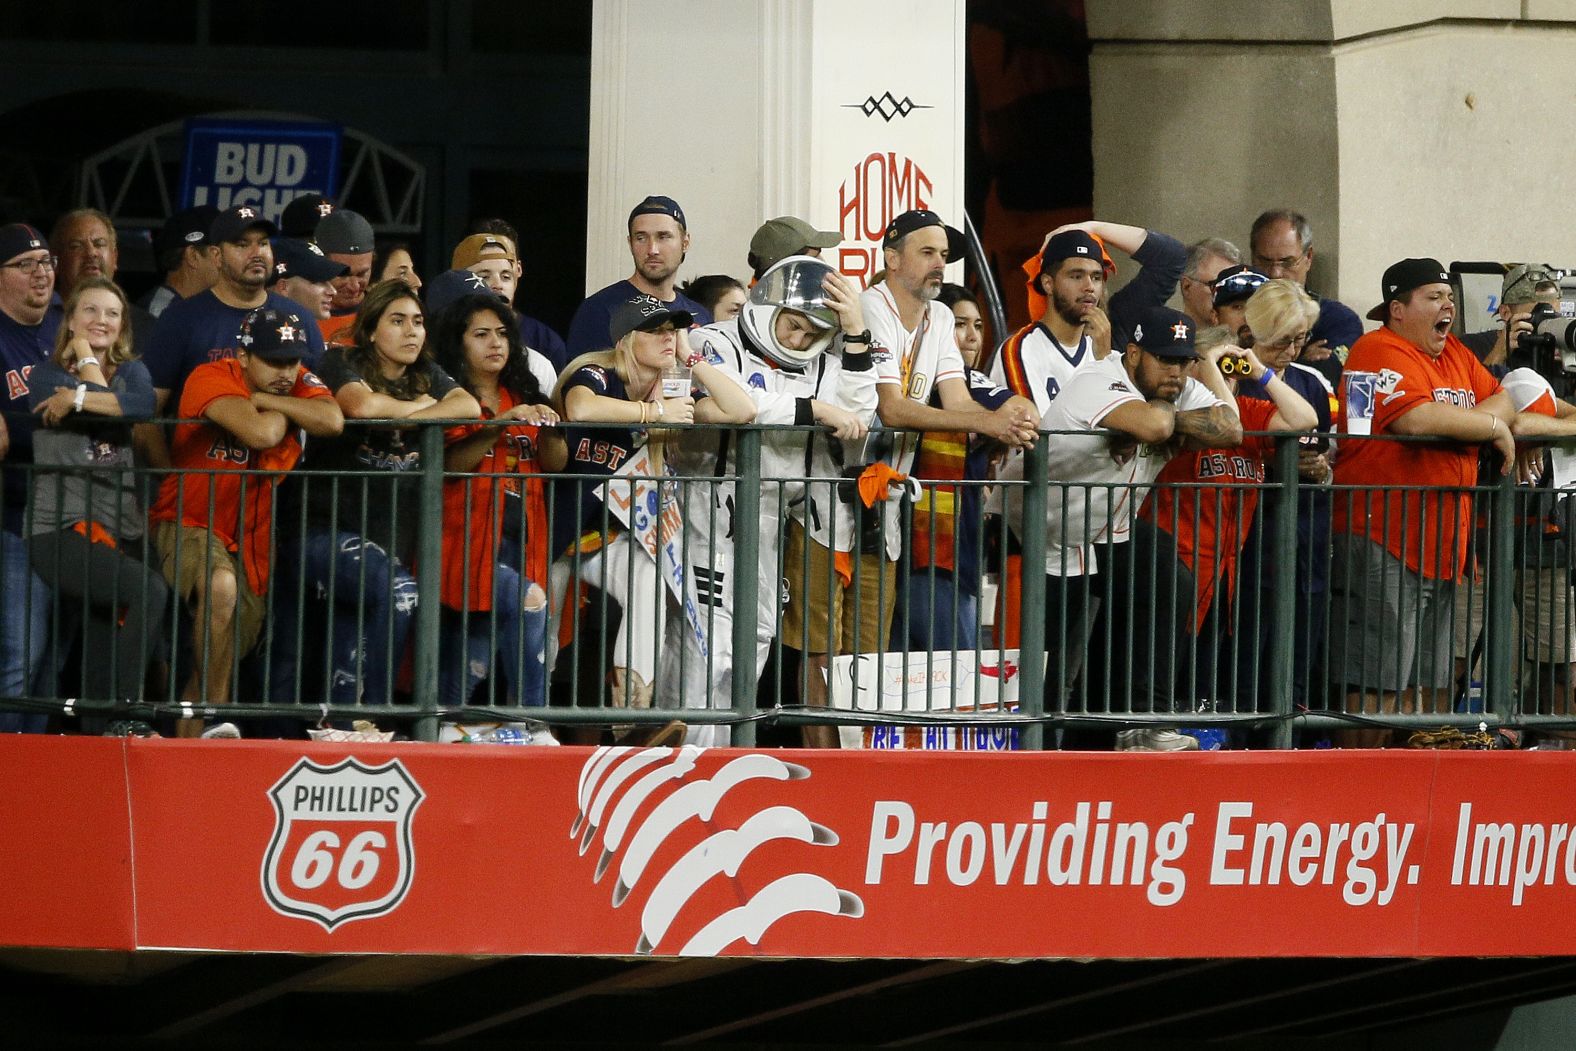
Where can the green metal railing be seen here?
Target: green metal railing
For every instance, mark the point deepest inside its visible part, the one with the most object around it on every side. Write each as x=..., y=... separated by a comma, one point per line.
x=1282, y=706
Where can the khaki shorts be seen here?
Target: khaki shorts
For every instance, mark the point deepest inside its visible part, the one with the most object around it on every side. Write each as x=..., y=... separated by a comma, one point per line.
x=817, y=599
x=193, y=554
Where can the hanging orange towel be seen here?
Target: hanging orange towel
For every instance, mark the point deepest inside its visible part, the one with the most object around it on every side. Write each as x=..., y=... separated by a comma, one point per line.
x=876, y=481
x=96, y=534
x=1031, y=267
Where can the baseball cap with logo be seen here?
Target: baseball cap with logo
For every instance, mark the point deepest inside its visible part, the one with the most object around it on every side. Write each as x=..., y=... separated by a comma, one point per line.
x=1075, y=244
x=657, y=205
x=452, y=285
x=787, y=235
x=1165, y=333
x=1522, y=281
x=293, y=258
x=477, y=247
x=18, y=238
x=301, y=215
x=344, y=232
x=233, y=224
x=1401, y=278
x=184, y=229
x=1235, y=284
x=920, y=219
x=644, y=313
x=274, y=335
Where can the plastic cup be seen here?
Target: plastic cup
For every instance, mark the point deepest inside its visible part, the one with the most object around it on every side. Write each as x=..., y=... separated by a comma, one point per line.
x=1361, y=387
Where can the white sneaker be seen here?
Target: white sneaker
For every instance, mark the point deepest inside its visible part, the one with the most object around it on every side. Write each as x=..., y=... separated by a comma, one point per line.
x=1154, y=740
x=222, y=731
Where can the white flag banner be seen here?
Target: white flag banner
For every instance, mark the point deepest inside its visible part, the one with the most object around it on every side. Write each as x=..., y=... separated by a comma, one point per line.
x=967, y=681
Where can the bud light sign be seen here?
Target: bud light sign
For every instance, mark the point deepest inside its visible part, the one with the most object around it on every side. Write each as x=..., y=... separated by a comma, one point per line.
x=266, y=164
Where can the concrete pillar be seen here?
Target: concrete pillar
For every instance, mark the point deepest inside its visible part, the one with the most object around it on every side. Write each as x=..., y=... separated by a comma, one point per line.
x=844, y=114
x=1400, y=127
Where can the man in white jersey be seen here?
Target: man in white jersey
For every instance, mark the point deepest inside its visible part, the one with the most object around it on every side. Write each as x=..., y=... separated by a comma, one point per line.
x=787, y=349
x=915, y=352
x=1129, y=412
x=1074, y=329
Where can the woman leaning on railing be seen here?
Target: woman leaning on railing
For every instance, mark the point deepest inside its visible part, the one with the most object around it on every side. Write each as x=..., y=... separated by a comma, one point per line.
x=87, y=534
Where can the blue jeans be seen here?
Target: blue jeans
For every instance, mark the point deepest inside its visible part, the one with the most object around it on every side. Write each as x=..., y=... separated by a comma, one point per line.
x=467, y=646
x=24, y=632
x=384, y=613
x=935, y=618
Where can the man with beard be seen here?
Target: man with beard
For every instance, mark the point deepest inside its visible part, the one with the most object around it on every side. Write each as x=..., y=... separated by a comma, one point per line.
x=1068, y=281
x=1399, y=549
x=1099, y=562
x=28, y=323
x=658, y=240
x=205, y=327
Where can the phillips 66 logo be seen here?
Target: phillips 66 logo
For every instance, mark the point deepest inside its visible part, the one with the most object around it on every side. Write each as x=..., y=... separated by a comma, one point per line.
x=341, y=848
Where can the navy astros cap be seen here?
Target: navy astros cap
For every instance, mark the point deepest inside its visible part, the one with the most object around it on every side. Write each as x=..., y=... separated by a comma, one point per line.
x=301, y=215
x=1401, y=278
x=644, y=313
x=232, y=225
x=294, y=258
x=1165, y=333
x=656, y=205
x=452, y=285
x=919, y=219
x=274, y=335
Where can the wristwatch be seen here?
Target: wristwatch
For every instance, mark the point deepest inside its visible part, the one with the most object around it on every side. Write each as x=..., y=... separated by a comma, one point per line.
x=857, y=337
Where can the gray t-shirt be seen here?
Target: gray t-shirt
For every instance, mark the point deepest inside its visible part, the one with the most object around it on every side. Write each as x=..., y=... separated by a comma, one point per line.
x=84, y=466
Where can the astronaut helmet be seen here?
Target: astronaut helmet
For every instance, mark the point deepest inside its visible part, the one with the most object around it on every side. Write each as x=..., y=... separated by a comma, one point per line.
x=791, y=286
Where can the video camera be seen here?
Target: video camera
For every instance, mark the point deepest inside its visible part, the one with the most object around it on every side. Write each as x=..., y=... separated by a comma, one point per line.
x=1551, y=345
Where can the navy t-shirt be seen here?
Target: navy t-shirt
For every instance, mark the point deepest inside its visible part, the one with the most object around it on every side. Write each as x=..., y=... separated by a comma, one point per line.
x=382, y=511
x=589, y=329
x=21, y=348
x=594, y=451
x=541, y=338
x=201, y=329
x=1339, y=327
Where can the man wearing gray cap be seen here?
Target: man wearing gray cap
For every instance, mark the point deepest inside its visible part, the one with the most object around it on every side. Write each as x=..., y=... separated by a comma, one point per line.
x=346, y=237
x=1525, y=286
x=787, y=235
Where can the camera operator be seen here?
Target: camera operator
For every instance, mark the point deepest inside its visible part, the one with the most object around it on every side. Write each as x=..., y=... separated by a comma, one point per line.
x=1524, y=288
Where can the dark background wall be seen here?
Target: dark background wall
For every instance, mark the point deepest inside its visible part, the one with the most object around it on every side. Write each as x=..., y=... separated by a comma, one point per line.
x=492, y=100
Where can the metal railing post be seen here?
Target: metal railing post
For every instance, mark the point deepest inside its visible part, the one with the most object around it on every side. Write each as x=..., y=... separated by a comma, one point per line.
x=746, y=583
x=429, y=559
x=1283, y=615
x=1031, y=639
x=1499, y=676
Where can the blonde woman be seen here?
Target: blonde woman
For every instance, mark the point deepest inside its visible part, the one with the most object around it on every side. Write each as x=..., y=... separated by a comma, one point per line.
x=621, y=389
x=87, y=533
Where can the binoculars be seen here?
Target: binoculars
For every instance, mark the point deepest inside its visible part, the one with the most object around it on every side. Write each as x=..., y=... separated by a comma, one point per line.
x=1234, y=365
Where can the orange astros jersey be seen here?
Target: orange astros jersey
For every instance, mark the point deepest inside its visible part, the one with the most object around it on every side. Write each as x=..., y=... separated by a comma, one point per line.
x=201, y=449
x=1211, y=525
x=1426, y=529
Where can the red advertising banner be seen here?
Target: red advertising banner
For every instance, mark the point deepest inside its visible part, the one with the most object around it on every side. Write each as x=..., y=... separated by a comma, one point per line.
x=274, y=846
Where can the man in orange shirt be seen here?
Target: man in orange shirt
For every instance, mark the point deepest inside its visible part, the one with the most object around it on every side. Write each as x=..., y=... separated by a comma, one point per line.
x=252, y=407
x=1399, y=550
